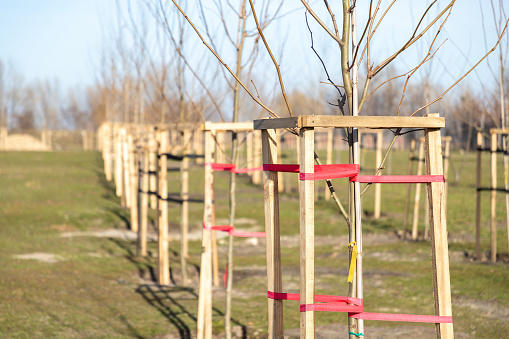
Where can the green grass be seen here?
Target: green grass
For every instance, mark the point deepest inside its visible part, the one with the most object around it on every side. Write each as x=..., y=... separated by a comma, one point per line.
x=96, y=290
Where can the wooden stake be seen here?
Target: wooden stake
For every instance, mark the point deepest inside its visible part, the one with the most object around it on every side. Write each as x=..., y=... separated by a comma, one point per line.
x=204, y=317
x=438, y=225
x=409, y=187
x=143, y=215
x=118, y=163
x=257, y=144
x=249, y=151
x=133, y=182
x=281, y=185
x=378, y=187
x=184, y=211
x=493, y=221
x=152, y=166
x=417, y=199
x=307, y=240
x=127, y=176
x=478, y=197
x=272, y=235
x=163, y=263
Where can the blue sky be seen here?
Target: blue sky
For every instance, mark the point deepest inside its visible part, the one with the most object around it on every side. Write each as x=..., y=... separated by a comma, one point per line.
x=60, y=39
x=51, y=38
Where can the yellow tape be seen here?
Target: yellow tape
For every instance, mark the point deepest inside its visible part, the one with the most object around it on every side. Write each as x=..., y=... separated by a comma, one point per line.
x=353, y=260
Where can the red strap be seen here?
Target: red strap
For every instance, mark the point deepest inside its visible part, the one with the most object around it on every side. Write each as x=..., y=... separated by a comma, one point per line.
x=402, y=317
x=318, y=298
x=281, y=168
x=323, y=172
x=220, y=167
x=330, y=307
x=231, y=230
x=397, y=179
x=225, y=275
x=224, y=228
x=246, y=170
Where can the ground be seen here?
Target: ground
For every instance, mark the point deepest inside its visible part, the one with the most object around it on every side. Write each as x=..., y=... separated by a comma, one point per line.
x=70, y=270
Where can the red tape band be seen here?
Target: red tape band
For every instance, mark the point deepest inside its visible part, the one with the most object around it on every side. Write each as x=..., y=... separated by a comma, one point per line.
x=224, y=228
x=337, y=171
x=397, y=179
x=281, y=168
x=246, y=170
x=318, y=298
x=220, y=167
x=402, y=317
x=330, y=307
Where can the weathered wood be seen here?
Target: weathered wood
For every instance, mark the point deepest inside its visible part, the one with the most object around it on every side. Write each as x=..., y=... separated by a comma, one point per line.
x=184, y=208
x=493, y=221
x=280, y=176
x=204, y=317
x=438, y=227
x=478, y=197
x=307, y=241
x=163, y=263
x=276, y=123
x=378, y=122
x=272, y=235
x=415, y=225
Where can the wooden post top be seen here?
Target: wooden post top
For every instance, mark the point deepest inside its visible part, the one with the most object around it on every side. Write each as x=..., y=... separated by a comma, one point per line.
x=227, y=126
x=499, y=131
x=377, y=122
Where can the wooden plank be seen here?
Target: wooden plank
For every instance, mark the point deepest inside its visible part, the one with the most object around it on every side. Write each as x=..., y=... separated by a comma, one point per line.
x=438, y=226
x=415, y=225
x=272, y=235
x=184, y=207
x=249, y=152
x=227, y=126
x=493, y=221
x=143, y=215
x=478, y=197
x=307, y=233
x=499, y=131
x=280, y=176
x=377, y=122
x=378, y=187
x=204, y=316
x=163, y=263
x=262, y=124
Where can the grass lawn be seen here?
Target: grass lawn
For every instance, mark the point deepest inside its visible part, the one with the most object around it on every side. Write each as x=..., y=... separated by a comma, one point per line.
x=64, y=276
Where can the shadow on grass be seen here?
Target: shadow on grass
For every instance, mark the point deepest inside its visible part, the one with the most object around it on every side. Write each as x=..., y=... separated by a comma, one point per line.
x=168, y=299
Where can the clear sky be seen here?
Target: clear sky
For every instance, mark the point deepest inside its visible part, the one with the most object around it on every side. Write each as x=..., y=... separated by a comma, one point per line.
x=51, y=39
x=60, y=39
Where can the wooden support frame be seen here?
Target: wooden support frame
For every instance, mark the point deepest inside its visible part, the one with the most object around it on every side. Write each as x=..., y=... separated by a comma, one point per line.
x=440, y=259
x=184, y=208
